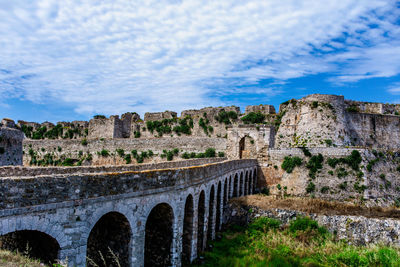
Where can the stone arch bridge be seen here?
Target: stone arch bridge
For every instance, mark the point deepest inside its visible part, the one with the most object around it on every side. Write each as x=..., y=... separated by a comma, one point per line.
x=160, y=217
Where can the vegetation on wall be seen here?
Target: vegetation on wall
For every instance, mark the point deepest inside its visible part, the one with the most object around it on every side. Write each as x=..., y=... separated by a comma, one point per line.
x=289, y=163
x=226, y=117
x=253, y=117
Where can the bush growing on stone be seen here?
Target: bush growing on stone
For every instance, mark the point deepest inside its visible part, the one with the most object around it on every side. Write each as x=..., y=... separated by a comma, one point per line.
x=315, y=164
x=59, y=149
x=328, y=142
x=84, y=142
x=128, y=159
x=137, y=134
x=353, y=108
x=264, y=224
x=68, y=162
x=289, y=163
x=310, y=187
x=382, y=176
x=99, y=117
x=341, y=172
x=134, y=153
x=104, y=153
x=308, y=226
x=120, y=152
x=343, y=186
x=170, y=155
x=221, y=154
x=186, y=155
x=150, y=153
x=306, y=152
x=192, y=155
x=253, y=117
x=359, y=188
x=224, y=117
x=210, y=153
x=314, y=104
x=324, y=189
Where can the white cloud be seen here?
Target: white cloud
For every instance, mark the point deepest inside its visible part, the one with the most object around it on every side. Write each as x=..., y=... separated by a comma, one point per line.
x=117, y=56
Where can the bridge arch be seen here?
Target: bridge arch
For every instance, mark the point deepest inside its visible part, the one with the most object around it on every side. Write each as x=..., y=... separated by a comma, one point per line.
x=188, y=226
x=38, y=245
x=246, y=183
x=159, y=236
x=241, y=184
x=201, y=207
x=211, y=209
x=218, y=208
x=235, y=186
x=226, y=192
x=109, y=241
x=254, y=180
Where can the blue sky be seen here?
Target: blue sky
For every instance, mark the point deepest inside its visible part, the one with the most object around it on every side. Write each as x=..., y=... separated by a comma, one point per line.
x=68, y=60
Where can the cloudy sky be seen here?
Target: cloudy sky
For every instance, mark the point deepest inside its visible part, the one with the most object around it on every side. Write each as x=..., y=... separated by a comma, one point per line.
x=71, y=59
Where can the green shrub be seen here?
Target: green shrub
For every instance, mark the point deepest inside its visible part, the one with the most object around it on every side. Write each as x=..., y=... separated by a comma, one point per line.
x=382, y=176
x=186, y=155
x=315, y=164
x=343, y=186
x=59, y=149
x=264, y=224
x=306, y=152
x=328, y=142
x=170, y=155
x=150, y=153
x=310, y=187
x=210, y=153
x=253, y=117
x=353, y=108
x=225, y=117
x=137, y=134
x=99, y=117
x=314, y=104
x=134, y=153
x=221, y=154
x=139, y=159
x=289, y=163
x=358, y=188
x=306, y=224
x=341, y=172
x=84, y=142
x=104, y=153
x=68, y=162
x=128, y=159
x=324, y=189
x=120, y=152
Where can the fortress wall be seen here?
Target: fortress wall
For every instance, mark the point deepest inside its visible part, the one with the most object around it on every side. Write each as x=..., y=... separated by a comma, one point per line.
x=10, y=146
x=339, y=183
x=101, y=128
x=373, y=130
x=71, y=148
x=20, y=171
x=306, y=124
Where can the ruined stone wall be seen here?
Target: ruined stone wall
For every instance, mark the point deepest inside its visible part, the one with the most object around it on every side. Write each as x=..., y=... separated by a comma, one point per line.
x=377, y=185
x=61, y=149
x=10, y=146
x=157, y=116
x=264, y=109
x=329, y=120
x=374, y=130
x=311, y=121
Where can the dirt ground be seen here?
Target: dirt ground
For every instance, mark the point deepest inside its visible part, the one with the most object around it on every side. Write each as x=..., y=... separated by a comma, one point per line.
x=317, y=206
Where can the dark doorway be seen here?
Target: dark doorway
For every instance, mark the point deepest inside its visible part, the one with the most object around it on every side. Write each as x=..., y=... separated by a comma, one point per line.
x=34, y=244
x=159, y=234
x=108, y=242
x=200, y=223
x=187, y=231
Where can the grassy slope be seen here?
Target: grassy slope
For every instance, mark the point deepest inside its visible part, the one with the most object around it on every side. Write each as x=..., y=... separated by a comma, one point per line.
x=265, y=243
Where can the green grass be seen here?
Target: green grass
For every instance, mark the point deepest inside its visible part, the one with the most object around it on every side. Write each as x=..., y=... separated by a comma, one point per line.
x=303, y=243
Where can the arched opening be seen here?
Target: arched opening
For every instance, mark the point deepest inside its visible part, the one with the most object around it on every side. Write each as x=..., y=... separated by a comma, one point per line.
x=254, y=180
x=241, y=185
x=34, y=244
x=218, y=215
x=187, y=230
x=235, y=186
x=211, y=214
x=246, y=183
x=250, y=182
x=108, y=242
x=247, y=148
x=159, y=234
x=200, y=222
x=230, y=193
x=225, y=192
